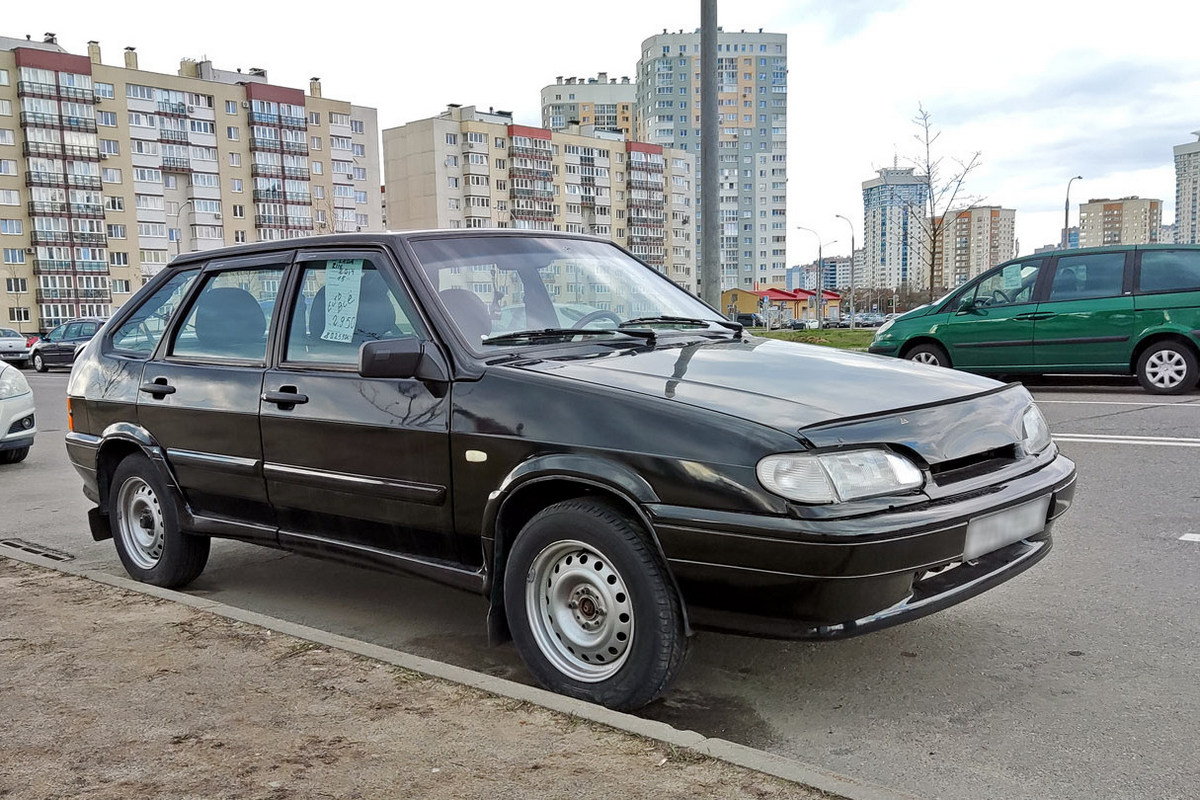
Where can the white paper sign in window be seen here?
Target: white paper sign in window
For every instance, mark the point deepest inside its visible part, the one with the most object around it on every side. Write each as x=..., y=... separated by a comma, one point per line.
x=343, y=281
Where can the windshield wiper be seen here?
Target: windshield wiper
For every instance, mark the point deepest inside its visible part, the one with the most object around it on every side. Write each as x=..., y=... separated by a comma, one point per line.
x=736, y=327
x=564, y=333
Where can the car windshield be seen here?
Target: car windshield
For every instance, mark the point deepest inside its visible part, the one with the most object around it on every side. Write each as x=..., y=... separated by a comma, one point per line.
x=496, y=285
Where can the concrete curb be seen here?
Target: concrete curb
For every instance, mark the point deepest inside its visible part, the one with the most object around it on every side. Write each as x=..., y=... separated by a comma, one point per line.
x=731, y=752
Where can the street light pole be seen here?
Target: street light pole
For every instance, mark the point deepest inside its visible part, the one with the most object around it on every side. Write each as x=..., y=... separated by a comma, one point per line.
x=851, y=224
x=820, y=266
x=1067, y=210
x=179, y=211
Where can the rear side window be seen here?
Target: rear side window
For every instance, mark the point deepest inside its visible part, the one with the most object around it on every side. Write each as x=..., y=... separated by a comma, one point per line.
x=230, y=316
x=1087, y=276
x=1170, y=271
x=140, y=333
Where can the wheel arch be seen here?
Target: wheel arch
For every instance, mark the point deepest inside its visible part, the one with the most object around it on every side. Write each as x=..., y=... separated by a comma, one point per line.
x=1152, y=339
x=121, y=440
x=919, y=340
x=540, y=483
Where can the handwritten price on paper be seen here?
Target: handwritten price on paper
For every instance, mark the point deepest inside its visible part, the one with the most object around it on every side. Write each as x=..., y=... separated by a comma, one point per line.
x=343, y=282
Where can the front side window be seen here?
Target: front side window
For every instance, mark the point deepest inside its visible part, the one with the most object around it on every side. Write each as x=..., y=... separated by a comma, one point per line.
x=138, y=336
x=1170, y=271
x=344, y=302
x=230, y=316
x=1086, y=276
x=1009, y=286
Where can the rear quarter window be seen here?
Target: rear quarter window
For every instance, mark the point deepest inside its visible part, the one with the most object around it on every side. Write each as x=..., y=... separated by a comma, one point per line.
x=1170, y=271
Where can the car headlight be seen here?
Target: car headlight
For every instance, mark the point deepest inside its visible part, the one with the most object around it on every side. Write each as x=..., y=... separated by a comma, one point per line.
x=1037, y=432
x=838, y=477
x=12, y=384
x=884, y=327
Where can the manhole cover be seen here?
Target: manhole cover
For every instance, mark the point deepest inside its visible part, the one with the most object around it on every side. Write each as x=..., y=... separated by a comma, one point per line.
x=36, y=549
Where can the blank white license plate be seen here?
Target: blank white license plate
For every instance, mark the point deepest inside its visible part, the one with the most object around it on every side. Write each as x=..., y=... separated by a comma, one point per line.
x=985, y=534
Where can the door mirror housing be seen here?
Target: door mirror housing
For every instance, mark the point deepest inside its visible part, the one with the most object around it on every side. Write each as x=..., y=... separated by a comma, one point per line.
x=390, y=358
x=966, y=304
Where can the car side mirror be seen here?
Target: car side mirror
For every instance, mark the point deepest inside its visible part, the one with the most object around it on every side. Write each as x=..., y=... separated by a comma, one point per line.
x=390, y=358
x=966, y=304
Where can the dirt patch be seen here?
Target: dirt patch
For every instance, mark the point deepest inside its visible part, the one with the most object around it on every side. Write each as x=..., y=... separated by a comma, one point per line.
x=108, y=694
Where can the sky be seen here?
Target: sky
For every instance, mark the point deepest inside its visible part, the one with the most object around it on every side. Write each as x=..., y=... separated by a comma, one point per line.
x=1043, y=90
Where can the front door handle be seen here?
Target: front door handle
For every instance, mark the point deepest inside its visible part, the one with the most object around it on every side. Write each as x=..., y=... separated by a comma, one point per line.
x=158, y=389
x=1030, y=316
x=286, y=397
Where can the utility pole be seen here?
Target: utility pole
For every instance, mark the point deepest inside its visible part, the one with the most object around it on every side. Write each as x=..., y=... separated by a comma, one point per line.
x=851, y=224
x=710, y=210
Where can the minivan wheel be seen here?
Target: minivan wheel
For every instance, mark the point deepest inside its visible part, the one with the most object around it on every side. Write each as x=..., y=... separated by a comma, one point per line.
x=927, y=353
x=1167, y=368
x=145, y=527
x=591, y=607
x=39, y=363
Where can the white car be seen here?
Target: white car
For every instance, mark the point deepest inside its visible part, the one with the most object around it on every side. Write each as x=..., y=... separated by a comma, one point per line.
x=13, y=348
x=17, y=426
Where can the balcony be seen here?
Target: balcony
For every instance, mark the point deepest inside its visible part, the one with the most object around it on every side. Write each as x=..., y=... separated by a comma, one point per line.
x=82, y=237
x=303, y=223
x=93, y=210
x=91, y=266
x=33, y=118
x=263, y=118
x=50, y=237
x=45, y=179
x=270, y=221
x=172, y=135
x=55, y=295
x=75, y=93
x=268, y=195
x=84, y=181
x=95, y=295
x=298, y=173
x=174, y=109
x=45, y=208
x=79, y=124
x=259, y=143
x=42, y=149
x=174, y=164
x=33, y=89
x=51, y=266
x=299, y=198
x=296, y=148
x=82, y=151
x=293, y=122
x=266, y=170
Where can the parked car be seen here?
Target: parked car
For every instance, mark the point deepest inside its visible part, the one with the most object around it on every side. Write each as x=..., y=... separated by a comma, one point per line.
x=751, y=320
x=803, y=324
x=1132, y=310
x=17, y=423
x=609, y=488
x=13, y=347
x=58, y=347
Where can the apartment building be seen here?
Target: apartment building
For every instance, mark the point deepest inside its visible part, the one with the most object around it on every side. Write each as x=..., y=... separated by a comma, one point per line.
x=1128, y=220
x=894, y=240
x=602, y=102
x=1187, y=192
x=752, y=138
x=107, y=172
x=467, y=168
x=971, y=241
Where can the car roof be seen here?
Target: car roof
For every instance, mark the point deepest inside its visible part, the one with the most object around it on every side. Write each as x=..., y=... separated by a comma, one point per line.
x=1112, y=248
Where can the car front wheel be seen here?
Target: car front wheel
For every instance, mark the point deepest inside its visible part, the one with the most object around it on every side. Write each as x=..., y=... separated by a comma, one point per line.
x=929, y=354
x=145, y=527
x=1168, y=368
x=39, y=362
x=14, y=456
x=591, y=606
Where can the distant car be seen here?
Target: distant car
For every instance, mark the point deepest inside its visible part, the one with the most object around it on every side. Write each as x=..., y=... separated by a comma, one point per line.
x=751, y=320
x=58, y=347
x=803, y=324
x=13, y=347
x=16, y=415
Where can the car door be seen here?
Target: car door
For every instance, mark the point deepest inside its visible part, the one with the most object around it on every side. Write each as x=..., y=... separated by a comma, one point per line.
x=199, y=394
x=357, y=466
x=991, y=328
x=1086, y=319
x=77, y=338
x=54, y=347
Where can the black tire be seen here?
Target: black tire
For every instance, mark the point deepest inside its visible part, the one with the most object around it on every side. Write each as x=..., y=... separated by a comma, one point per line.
x=22, y=364
x=145, y=527
x=39, y=362
x=14, y=456
x=929, y=353
x=1168, y=367
x=626, y=622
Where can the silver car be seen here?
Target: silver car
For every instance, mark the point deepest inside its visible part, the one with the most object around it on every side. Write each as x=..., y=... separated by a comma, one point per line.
x=13, y=348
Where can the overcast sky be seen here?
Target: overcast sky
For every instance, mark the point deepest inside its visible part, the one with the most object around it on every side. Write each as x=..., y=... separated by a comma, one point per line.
x=1045, y=90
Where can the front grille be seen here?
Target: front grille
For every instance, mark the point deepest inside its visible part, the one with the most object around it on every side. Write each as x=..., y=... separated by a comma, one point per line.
x=973, y=466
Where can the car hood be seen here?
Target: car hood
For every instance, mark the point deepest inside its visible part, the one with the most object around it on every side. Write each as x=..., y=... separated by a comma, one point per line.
x=784, y=385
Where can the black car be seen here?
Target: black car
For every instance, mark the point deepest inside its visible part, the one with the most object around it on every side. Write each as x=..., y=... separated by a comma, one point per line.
x=608, y=485
x=58, y=347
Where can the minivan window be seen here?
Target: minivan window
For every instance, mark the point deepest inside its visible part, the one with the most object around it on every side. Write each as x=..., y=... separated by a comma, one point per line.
x=140, y=334
x=1170, y=271
x=230, y=315
x=1085, y=276
x=1009, y=286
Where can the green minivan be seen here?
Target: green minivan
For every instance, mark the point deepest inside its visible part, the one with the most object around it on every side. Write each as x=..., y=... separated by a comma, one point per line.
x=1132, y=309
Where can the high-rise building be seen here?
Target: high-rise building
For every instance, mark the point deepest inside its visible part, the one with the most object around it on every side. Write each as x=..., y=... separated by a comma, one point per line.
x=752, y=101
x=106, y=172
x=467, y=168
x=1129, y=220
x=602, y=102
x=1187, y=192
x=971, y=241
x=893, y=234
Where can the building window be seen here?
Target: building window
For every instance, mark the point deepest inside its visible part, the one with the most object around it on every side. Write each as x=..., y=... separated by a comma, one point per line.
x=235, y=159
x=116, y=259
x=110, y=146
x=356, y=126
x=239, y=236
x=314, y=143
x=232, y=133
x=7, y=136
x=120, y=286
x=16, y=285
x=14, y=255
x=8, y=166
x=317, y=168
x=451, y=138
x=235, y=184
x=116, y=231
x=18, y=314
x=11, y=227
x=6, y=108
x=239, y=211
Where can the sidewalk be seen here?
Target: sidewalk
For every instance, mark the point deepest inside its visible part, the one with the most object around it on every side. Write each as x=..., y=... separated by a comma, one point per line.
x=110, y=694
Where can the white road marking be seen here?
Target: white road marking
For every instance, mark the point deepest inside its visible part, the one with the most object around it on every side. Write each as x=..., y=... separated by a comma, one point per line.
x=1190, y=537
x=1099, y=438
x=1188, y=404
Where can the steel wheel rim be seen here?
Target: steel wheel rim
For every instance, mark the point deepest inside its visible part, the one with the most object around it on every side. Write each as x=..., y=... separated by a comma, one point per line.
x=579, y=611
x=925, y=357
x=1166, y=369
x=140, y=520
x=37, y=361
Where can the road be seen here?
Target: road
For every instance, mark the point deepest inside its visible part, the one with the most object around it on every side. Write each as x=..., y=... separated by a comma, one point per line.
x=1077, y=679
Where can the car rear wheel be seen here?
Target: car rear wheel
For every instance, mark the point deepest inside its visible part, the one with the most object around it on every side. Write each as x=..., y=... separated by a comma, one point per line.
x=591, y=606
x=39, y=362
x=1168, y=368
x=14, y=456
x=145, y=527
x=928, y=353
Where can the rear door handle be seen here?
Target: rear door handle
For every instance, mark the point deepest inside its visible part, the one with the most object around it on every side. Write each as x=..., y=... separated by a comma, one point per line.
x=287, y=396
x=159, y=388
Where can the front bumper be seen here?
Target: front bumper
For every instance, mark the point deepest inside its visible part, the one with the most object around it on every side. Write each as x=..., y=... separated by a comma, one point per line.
x=883, y=348
x=17, y=426
x=815, y=579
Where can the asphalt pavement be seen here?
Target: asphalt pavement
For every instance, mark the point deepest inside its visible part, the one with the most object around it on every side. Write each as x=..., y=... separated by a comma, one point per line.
x=1074, y=680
